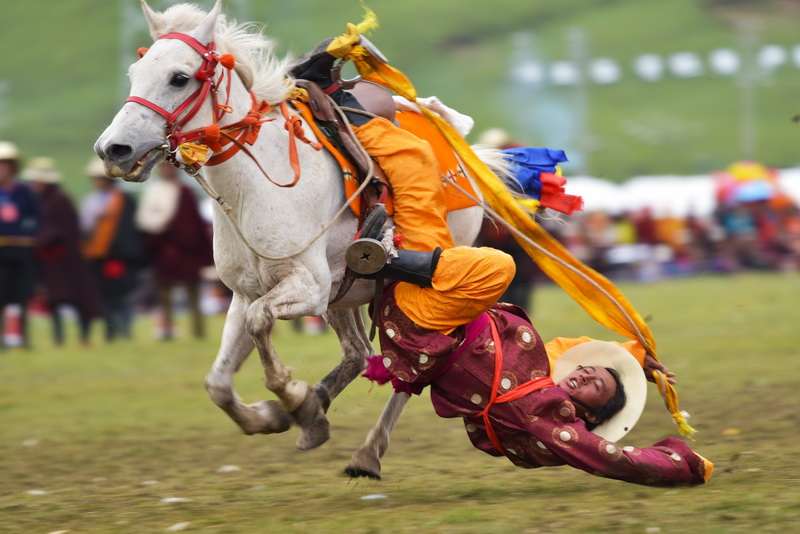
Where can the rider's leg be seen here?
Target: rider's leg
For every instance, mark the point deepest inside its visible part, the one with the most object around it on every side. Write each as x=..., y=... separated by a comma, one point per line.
x=466, y=282
x=420, y=214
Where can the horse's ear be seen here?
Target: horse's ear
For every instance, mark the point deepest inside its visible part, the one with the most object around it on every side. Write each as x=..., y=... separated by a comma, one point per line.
x=155, y=20
x=205, y=30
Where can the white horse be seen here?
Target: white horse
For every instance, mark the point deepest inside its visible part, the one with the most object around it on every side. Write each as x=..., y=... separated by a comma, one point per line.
x=262, y=251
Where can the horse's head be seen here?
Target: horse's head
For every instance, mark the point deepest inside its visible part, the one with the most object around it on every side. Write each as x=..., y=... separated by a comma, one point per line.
x=165, y=77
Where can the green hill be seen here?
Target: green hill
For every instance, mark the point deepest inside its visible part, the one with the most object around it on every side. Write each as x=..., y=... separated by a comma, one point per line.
x=62, y=61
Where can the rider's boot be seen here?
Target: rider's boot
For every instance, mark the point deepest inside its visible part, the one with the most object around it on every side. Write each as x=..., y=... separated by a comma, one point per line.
x=371, y=256
x=316, y=66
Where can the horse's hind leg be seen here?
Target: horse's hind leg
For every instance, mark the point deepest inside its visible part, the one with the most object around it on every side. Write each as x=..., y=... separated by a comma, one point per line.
x=296, y=295
x=265, y=417
x=349, y=328
x=366, y=461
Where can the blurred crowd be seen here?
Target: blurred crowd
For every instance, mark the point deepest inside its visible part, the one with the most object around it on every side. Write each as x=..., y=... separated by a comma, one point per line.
x=113, y=255
x=752, y=232
x=103, y=259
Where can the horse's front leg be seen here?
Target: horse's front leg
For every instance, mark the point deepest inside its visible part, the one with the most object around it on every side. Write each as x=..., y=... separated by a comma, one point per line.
x=296, y=295
x=349, y=328
x=267, y=417
x=366, y=461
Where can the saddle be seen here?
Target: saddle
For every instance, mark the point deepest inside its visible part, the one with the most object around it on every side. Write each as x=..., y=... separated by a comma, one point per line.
x=332, y=128
x=330, y=124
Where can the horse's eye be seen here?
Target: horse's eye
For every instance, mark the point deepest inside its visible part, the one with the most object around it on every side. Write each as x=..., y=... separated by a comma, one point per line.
x=179, y=80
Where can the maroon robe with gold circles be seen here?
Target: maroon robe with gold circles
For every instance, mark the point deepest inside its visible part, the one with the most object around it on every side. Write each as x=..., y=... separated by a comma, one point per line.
x=540, y=429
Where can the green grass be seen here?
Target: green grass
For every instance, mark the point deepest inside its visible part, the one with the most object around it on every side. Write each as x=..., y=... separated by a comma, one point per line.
x=62, y=60
x=111, y=417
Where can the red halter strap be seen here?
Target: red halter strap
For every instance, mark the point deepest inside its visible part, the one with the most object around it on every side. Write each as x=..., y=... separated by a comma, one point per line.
x=518, y=392
x=205, y=74
x=233, y=136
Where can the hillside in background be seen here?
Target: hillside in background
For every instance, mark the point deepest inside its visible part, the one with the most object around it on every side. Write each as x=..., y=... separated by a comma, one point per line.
x=62, y=62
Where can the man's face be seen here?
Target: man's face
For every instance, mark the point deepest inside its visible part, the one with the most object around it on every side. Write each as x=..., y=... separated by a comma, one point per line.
x=7, y=170
x=592, y=387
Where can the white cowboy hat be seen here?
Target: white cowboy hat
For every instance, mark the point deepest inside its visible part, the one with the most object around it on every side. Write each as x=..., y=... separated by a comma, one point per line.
x=494, y=138
x=8, y=151
x=42, y=170
x=612, y=355
x=96, y=168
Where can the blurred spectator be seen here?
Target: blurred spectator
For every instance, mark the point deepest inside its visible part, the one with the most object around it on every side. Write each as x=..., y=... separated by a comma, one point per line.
x=520, y=291
x=114, y=247
x=19, y=215
x=64, y=275
x=178, y=242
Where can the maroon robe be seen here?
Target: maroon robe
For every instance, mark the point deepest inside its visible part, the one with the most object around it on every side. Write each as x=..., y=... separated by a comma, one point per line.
x=540, y=429
x=64, y=274
x=183, y=248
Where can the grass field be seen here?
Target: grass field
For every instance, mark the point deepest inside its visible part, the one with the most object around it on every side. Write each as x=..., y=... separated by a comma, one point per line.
x=64, y=67
x=107, y=433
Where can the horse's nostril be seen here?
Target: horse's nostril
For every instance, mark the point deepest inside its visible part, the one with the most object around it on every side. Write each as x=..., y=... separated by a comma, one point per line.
x=119, y=152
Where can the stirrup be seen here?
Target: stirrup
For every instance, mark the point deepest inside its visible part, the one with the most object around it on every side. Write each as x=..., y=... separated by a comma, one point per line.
x=366, y=256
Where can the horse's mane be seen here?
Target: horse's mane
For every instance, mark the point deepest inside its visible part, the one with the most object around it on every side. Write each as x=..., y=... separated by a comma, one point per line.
x=264, y=73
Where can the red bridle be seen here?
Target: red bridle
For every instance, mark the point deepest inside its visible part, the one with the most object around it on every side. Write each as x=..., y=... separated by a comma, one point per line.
x=191, y=106
x=217, y=138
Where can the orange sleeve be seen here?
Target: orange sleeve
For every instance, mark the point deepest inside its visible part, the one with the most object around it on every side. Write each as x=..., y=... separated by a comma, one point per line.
x=420, y=209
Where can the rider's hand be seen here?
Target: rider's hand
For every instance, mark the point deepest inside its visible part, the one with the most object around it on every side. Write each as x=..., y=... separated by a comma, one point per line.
x=651, y=364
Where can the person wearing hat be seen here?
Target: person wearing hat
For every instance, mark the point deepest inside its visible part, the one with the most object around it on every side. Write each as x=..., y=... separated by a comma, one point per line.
x=569, y=401
x=19, y=216
x=63, y=273
x=440, y=325
x=114, y=247
x=178, y=242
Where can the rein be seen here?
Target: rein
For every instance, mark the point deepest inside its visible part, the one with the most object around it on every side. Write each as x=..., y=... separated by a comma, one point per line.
x=223, y=141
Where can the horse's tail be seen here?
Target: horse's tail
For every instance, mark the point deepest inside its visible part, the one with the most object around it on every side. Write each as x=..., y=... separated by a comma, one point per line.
x=499, y=163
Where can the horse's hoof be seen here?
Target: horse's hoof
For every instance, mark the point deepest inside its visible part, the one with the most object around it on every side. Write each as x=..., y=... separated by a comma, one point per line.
x=357, y=472
x=364, y=463
x=271, y=418
x=314, y=427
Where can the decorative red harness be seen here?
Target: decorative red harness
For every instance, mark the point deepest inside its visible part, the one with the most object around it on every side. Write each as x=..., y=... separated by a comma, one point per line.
x=233, y=136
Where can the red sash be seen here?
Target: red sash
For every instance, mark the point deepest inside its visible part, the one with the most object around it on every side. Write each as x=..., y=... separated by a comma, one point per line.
x=518, y=392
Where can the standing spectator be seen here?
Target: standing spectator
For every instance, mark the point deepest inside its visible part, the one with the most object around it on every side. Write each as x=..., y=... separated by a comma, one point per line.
x=178, y=241
x=18, y=221
x=63, y=273
x=114, y=248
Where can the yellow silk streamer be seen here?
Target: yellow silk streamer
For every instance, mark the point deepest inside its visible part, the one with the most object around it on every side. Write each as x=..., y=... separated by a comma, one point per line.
x=193, y=154
x=592, y=291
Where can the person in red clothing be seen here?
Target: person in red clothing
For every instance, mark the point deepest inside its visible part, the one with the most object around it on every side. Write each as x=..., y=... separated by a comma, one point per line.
x=64, y=276
x=178, y=242
x=19, y=219
x=441, y=327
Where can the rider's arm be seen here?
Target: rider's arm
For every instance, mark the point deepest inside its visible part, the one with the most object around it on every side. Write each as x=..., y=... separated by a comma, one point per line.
x=559, y=432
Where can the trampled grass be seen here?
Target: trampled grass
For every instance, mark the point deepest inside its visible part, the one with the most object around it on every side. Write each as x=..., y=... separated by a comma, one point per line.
x=93, y=428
